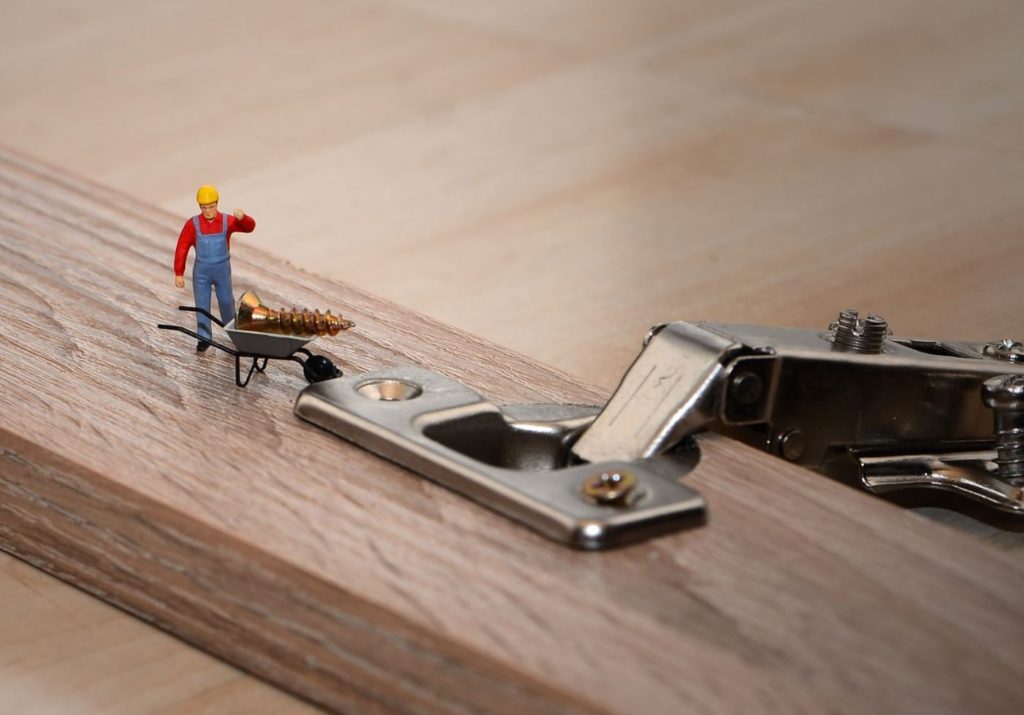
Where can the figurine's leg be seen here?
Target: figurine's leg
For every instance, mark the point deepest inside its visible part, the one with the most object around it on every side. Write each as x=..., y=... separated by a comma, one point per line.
x=225, y=298
x=201, y=280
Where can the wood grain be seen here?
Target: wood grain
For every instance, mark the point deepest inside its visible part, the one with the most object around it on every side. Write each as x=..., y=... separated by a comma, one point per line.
x=136, y=470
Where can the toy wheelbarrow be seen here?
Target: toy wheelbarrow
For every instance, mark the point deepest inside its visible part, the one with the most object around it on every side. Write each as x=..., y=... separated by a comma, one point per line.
x=262, y=347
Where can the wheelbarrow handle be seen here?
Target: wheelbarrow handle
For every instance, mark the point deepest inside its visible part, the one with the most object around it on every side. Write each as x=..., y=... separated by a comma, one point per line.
x=197, y=336
x=208, y=314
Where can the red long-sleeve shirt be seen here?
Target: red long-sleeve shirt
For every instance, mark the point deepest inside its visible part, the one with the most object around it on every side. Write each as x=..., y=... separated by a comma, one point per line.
x=187, y=237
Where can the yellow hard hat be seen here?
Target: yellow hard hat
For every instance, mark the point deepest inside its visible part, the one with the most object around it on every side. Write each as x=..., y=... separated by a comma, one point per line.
x=207, y=195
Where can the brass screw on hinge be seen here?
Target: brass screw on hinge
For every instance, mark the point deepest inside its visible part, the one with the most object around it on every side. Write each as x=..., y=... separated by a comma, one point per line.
x=610, y=488
x=253, y=315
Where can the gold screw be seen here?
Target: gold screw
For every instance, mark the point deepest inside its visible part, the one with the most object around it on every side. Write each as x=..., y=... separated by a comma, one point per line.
x=253, y=315
x=610, y=487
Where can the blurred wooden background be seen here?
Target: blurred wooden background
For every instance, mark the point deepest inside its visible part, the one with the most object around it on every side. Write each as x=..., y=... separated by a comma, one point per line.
x=553, y=175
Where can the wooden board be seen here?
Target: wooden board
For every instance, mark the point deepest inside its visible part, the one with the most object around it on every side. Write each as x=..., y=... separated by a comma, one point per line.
x=134, y=468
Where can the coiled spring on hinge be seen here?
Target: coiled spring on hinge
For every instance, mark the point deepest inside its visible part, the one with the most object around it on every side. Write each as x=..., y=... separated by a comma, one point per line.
x=860, y=336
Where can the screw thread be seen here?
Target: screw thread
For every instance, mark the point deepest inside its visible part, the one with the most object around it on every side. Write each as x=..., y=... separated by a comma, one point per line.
x=862, y=336
x=1010, y=453
x=307, y=322
x=253, y=315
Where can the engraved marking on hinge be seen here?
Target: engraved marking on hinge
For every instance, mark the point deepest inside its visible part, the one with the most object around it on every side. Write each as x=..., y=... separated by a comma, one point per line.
x=666, y=394
x=626, y=403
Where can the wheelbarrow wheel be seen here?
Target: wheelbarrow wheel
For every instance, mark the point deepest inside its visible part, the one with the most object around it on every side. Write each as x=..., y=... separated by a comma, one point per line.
x=318, y=368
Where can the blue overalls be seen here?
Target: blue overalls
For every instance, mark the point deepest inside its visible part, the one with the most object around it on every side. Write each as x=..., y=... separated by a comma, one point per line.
x=212, y=267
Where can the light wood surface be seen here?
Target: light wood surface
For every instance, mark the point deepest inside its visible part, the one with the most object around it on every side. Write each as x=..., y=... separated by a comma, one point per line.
x=64, y=652
x=553, y=176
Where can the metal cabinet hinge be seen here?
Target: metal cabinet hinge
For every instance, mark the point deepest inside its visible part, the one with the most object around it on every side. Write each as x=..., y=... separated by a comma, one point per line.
x=514, y=459
x=851, y=402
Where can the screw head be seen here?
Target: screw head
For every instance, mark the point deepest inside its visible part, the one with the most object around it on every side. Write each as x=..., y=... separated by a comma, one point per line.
x=609, y=487
x=1006, y=349
x=1004, y=392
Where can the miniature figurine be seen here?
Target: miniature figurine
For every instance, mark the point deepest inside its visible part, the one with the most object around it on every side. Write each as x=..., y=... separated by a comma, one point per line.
x=210, y=232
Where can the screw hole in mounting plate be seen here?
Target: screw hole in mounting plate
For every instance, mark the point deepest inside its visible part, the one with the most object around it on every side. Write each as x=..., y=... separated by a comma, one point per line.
x=389, y=390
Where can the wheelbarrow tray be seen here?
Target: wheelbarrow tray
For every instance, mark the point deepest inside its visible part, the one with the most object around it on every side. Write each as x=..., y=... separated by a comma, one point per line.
x=271, y=345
